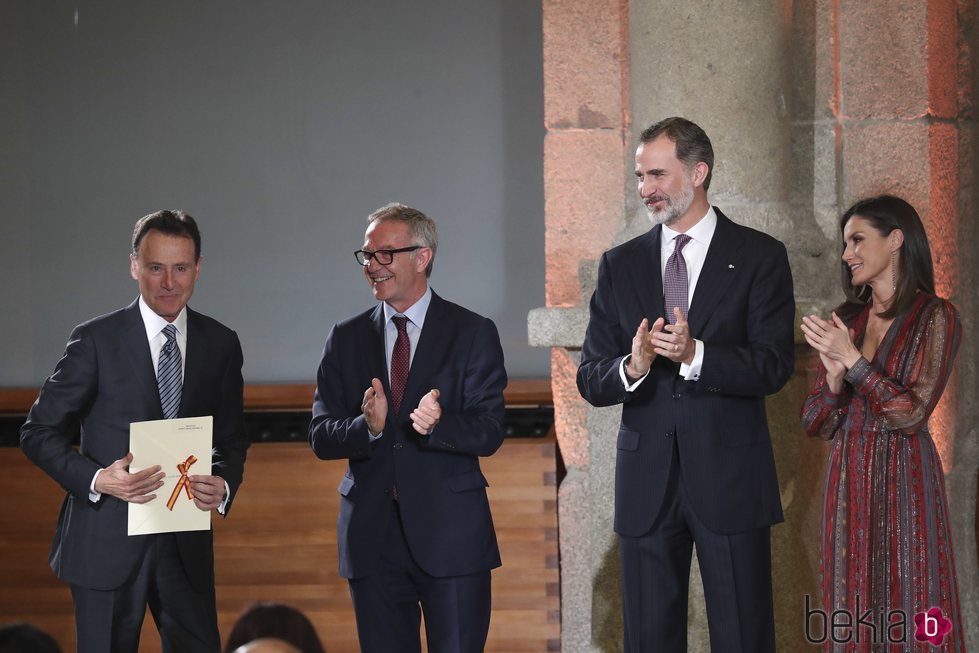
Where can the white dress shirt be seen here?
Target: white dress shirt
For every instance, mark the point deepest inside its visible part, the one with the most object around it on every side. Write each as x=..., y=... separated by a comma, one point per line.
x=154, y=334
x=416, y=320
x=694, y=254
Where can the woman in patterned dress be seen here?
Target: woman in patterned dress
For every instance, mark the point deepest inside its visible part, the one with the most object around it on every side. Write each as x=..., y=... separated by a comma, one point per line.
x=885, y=356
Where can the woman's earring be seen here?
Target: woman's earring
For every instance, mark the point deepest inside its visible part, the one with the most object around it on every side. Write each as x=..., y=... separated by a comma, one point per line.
x=894, y=270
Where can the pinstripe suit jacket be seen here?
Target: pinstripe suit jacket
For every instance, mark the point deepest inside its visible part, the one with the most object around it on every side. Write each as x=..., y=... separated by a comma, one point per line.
x=441, y=488
x=743, y=312
x=104, y=381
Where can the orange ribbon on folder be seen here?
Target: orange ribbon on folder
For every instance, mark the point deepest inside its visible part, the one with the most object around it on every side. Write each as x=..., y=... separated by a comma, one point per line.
x=183, y=483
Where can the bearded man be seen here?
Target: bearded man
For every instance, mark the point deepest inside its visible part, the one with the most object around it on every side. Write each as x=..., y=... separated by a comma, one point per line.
x=691, y=327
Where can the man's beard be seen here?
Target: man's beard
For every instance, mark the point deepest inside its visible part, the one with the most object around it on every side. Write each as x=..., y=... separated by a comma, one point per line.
x=674, y=208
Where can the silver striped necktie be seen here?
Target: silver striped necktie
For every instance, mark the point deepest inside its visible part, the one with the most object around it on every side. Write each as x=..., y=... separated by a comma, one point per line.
x=168, y=375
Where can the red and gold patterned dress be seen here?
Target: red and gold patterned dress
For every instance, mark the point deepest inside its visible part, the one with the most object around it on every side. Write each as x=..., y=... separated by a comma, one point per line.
x=886, y=540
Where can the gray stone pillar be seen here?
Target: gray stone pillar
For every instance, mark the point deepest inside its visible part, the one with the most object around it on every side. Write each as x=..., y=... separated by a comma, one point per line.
x=585, y=85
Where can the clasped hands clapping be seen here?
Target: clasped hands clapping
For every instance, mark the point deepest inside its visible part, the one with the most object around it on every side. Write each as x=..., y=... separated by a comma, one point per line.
x=137, y=487
x=671, y=341
x=375, y=410
x=833, y=341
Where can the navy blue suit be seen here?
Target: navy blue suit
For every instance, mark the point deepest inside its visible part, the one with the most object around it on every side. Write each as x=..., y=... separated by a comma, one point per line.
x=441, y=491
x=105, y=381
x=698, y=451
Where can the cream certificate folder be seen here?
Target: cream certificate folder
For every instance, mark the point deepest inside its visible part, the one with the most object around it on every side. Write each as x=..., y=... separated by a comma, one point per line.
x=182, y=447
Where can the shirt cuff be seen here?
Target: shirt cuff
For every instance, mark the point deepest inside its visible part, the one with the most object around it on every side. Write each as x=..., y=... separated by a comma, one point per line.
x=691, y=372
x=372, y=437
x=629, y=387
x=94, y=496
x=862, y=375
x=223, y=507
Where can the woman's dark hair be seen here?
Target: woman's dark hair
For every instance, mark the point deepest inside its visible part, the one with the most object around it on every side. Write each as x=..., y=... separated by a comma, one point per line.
x=914, y=271
x=274, y=620
x=22, y=637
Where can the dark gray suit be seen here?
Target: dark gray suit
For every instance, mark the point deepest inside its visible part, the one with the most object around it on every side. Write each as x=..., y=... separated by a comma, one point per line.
x=696, y=452
x=105, y=381
x=442, y=506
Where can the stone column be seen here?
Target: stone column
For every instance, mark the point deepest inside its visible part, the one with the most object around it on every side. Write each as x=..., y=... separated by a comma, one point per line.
x=727, y=66
x=585, y=77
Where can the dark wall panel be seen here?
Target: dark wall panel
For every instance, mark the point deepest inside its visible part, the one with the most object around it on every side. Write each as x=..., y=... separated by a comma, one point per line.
x=280, y=126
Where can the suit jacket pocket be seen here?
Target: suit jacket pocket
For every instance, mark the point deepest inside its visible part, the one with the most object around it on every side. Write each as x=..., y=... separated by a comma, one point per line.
x=468, y=481
x=628, y=440
x=346, y=484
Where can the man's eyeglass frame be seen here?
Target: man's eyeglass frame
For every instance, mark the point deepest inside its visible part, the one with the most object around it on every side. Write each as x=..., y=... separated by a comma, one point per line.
x=382, y=256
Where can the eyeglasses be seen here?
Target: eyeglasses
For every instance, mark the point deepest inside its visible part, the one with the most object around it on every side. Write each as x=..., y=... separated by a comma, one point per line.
x=382, y=256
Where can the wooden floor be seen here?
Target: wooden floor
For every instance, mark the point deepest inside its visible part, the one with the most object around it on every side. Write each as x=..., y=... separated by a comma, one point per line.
x=280, y=544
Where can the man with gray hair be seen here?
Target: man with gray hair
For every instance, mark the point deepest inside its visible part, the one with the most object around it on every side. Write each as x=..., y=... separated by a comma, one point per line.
x=410, y=392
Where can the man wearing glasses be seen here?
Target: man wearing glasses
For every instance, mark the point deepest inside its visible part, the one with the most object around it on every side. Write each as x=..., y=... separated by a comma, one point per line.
x=411, y=393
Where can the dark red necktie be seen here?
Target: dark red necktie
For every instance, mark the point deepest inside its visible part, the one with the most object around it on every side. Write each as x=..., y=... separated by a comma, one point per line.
x=675, y=283
x=399, y=362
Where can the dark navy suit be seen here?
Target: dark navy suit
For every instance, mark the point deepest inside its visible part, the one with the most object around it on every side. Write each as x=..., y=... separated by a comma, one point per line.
x=105, y=381
x=696, y=453
x=441, y=492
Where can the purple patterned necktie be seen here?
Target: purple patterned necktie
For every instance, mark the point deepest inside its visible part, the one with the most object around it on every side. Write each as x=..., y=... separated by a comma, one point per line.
x=675, y=282
x=399, y=362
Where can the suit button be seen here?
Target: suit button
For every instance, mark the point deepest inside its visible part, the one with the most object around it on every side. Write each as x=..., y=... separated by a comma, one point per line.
x=669, y=434
x=677, y=395
x=397, y=445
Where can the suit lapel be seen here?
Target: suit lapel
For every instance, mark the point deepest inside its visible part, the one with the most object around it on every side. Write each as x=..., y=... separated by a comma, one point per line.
x=138, y=350
x=194, y=364
x=425, y=361
x=374, y=348
x=647, y=282
x=721, y=266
